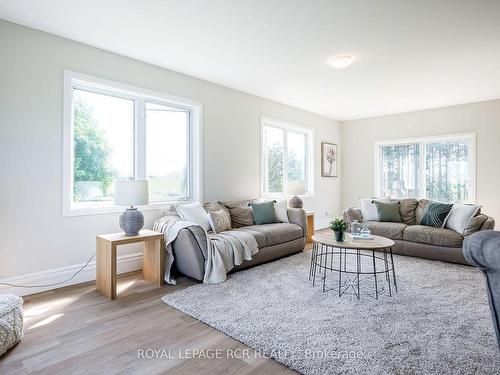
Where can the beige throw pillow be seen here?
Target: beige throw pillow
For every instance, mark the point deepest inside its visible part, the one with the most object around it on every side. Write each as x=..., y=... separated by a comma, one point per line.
x=241, y=213
x=220, y=221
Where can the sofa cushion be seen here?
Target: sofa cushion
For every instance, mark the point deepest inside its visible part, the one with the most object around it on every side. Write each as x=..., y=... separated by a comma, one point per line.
x=407, y=209
x=388, y=211
x=264, y=213
x=215, y=206
x=280, y=210
x=258, y=235
x=274, y=234
x=394, y=231
x=195, y=213
x=432, y=236
x=368, y=209
x=241, y=213
x=220, y=220
x=460, y=216
x=436, y=214
x=419, y=211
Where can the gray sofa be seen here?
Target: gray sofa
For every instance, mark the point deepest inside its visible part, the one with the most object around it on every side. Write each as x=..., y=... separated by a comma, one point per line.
x=274, y=241
x=422, y=241
x=483, y=251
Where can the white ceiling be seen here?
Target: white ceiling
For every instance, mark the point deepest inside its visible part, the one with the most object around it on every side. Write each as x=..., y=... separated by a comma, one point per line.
x=409, y=55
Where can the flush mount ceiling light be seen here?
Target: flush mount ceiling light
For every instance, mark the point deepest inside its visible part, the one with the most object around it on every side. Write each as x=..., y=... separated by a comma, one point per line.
x=340, y=62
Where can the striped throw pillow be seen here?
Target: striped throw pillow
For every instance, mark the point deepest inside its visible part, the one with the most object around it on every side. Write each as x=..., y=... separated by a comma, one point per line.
x=436, y=214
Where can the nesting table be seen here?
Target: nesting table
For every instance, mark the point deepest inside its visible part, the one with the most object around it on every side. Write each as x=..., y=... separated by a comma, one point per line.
x=353, y=261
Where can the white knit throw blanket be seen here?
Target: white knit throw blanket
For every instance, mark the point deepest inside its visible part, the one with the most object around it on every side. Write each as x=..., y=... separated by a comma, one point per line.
x=225, y=250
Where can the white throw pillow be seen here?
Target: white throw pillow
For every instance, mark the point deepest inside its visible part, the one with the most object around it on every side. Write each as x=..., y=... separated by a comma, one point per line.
x=460, y=215
x=368, y=209
x=280, y=210
x=195, y=213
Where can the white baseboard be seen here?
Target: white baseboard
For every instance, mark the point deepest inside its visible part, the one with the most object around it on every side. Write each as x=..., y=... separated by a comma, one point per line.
x=322, y=223
x=124, y=263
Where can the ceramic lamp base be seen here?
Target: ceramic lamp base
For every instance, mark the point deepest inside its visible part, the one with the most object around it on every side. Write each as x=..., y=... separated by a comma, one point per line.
x=296, y=202
x=131, y=221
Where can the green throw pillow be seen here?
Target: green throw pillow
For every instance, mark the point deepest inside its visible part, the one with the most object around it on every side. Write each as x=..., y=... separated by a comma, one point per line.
x=388, y=211
x=264, y=213
x=435, y=214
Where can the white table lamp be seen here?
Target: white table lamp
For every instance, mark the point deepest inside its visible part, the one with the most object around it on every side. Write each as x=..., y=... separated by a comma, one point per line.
x=131, y=193
x=296, y=188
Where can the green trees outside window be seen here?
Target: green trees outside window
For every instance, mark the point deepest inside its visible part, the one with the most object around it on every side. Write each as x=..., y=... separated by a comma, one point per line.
x=91, y=153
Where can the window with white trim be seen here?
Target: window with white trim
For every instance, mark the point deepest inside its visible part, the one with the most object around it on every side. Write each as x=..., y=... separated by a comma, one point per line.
x=286, y=155
x=438, y=168
x=115, y=131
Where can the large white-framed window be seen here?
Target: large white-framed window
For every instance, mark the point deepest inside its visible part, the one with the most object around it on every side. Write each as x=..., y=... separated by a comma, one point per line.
x=286, y=156
x=115, y=131
x=441, y=168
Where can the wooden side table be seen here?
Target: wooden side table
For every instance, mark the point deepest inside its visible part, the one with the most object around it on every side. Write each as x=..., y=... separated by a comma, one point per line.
x=310, y=226
x=153, y=268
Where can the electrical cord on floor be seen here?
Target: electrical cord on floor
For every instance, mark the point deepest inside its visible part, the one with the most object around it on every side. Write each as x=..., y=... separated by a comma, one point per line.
x=53, y=284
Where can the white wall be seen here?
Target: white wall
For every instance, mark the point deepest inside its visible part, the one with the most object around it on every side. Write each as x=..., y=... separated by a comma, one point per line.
x=358, y=138
x=34, y=236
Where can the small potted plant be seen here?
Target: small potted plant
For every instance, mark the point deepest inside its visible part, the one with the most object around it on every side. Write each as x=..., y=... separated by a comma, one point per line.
x=339, y=226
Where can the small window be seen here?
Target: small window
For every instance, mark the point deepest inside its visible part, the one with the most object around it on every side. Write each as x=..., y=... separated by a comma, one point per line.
x=438, y=168
x=286, y=156
x=114, y=131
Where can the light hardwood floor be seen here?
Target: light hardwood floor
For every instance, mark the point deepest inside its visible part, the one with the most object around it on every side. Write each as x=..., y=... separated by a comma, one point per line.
x=77, y=330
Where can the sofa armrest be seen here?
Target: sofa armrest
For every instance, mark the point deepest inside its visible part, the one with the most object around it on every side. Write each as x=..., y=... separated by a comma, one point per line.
x=489, y=224
x=190, y=247
x=353, y=213
x=479, y=223
x=298, y=216
x=482, y=249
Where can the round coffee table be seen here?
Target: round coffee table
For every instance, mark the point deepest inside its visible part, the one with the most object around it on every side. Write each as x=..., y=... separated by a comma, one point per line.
x=352, y=259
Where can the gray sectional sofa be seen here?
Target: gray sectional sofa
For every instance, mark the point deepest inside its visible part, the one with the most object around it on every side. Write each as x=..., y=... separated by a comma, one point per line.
x=419, y=240
x=274, y=241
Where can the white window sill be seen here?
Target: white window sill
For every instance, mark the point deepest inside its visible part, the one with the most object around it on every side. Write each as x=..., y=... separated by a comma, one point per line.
x=286, y=196
x=85, y=211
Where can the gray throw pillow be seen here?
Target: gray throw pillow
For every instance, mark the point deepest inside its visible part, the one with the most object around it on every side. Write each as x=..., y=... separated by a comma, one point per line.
x=436, y=214
x=220, y=221
x=388, y=211
x=241, y=213
x=264, y=213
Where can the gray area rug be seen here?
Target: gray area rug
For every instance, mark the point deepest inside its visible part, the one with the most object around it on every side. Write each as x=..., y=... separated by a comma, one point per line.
x=438, y=321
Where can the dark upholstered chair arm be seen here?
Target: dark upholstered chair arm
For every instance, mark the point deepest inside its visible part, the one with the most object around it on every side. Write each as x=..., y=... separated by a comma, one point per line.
x=298, y=216
x=482, y=250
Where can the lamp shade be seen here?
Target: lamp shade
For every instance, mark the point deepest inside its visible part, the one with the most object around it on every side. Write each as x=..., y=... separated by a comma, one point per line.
x=296, y=187
x=131, y=193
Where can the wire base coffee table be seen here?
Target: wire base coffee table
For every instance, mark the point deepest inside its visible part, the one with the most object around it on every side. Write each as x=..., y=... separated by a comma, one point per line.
x=355, y=262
